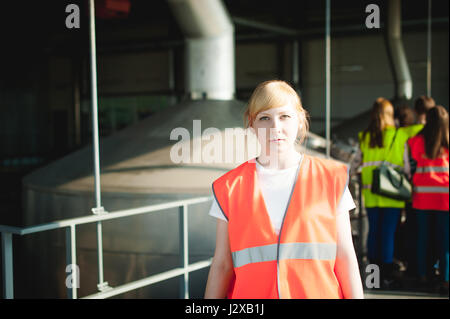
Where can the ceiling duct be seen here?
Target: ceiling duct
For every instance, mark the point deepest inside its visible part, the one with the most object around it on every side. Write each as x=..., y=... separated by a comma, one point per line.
x=209, y=56
x=396, y=52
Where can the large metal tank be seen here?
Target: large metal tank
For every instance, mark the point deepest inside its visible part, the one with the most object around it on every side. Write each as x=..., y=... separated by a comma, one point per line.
x=136, y=170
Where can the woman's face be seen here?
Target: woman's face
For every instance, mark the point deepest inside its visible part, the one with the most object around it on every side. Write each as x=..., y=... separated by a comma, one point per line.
x=277, y=128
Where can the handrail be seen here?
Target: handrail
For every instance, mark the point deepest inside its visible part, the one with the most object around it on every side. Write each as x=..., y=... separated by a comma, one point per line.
x=100, y=217
x=105, y=292
x=149, y=280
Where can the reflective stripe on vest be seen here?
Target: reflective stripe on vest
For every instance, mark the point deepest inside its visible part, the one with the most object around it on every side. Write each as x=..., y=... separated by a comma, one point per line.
x=431, y=189
x=432, y=169
x=318, y=251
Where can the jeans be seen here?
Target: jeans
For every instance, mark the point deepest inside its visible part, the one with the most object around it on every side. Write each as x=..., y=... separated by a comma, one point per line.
x=432, y=230
x=382, y=225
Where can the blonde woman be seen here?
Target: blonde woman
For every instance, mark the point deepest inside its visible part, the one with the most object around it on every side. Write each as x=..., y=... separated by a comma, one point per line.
x=283, y=228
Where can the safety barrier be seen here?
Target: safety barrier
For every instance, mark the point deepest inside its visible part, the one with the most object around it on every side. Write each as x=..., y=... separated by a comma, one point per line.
x=106, y=291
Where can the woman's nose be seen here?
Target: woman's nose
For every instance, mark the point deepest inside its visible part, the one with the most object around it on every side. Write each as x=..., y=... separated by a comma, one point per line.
x=276, y=125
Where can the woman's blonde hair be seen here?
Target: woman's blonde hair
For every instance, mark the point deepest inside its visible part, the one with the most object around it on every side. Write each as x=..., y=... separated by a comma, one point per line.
x=272, y=94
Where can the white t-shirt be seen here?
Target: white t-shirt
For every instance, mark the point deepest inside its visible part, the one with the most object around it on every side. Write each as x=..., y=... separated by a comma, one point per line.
x=276, y=186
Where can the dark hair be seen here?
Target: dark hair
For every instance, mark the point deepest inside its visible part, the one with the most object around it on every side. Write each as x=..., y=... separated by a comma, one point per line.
x=435, y=132
x=405, y=116
x=423, y=104
x=375, y=129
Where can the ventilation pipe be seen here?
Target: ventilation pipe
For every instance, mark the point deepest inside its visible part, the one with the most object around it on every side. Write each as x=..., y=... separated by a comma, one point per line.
x=209, y=56
x=396, y=52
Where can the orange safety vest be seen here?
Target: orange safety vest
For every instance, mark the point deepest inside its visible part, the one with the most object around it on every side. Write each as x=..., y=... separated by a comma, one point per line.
x=299, y=263
x=430, y=180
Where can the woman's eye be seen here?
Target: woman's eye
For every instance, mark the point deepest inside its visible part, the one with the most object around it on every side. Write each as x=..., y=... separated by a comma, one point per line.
x=263, y=118
x=285, y=116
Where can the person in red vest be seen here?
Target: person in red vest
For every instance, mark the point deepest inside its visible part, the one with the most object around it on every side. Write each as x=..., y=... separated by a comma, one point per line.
x=283, y=228
x=429, y=149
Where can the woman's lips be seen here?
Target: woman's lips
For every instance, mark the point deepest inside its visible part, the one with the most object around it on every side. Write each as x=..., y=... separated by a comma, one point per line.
x=277, y=140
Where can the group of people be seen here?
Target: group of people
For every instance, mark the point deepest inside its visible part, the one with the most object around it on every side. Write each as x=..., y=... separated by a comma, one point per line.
x=416, y=142
x=283, y=225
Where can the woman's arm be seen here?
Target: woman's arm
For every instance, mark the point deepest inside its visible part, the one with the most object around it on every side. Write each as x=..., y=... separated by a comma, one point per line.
x=221, y=271
x=346, y=266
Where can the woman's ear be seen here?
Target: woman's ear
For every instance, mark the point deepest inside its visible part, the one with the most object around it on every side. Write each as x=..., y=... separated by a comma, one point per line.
x=250, y=124
x=301, y=127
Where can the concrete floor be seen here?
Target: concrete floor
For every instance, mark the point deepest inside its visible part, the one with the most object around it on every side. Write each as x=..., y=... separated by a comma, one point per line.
x=385, y=294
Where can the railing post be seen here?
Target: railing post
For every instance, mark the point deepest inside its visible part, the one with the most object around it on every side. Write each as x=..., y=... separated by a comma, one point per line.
x=7, y=269
x=71, y=263
x=327, y=78
x=102, y=285
x=184, y=251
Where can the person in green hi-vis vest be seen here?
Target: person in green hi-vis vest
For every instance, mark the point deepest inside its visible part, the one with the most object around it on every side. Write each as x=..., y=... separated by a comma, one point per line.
x=381, y=141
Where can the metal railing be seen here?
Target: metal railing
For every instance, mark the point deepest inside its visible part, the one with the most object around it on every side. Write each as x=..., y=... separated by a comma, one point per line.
x=107, y=291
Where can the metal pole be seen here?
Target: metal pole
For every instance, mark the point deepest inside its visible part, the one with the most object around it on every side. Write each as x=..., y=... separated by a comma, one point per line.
x=327, y=77
x=77, y=102
x=94, y=105
x=98, y=203
x=101, y=283
x=71, y=260
x=7, y=261
x=429, y=50
x=184, y=251
x=295, y=58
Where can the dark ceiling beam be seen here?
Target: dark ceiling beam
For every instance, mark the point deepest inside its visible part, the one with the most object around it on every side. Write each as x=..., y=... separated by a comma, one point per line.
x=319, y=31
x=271, y=33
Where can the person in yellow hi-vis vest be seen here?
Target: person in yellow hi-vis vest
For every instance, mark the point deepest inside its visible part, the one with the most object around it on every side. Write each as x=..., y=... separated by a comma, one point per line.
x=283, y=226
x=381, y=141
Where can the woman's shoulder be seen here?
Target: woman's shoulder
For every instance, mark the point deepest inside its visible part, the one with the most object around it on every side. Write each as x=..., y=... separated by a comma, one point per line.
x=361, y=135
x=329, y=170
x=415, y=140
x=235, y=171
x=326, y=163
x=418, y=137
